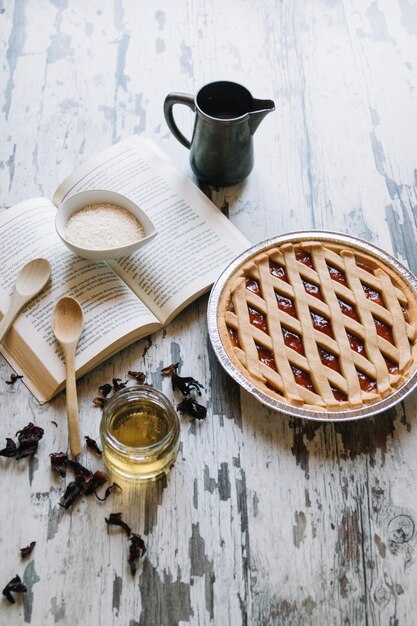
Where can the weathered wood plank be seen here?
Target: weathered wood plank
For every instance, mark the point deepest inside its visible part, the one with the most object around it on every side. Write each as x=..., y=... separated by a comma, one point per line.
x=264, y=520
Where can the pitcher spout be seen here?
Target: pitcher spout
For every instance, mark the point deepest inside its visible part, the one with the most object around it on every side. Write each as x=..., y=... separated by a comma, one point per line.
x=259, y=109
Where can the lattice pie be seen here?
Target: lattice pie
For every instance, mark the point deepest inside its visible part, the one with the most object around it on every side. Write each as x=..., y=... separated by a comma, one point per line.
x=320, y=325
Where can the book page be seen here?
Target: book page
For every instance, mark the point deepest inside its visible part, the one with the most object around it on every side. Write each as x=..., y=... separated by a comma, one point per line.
x=195, y=241
x=112, y=312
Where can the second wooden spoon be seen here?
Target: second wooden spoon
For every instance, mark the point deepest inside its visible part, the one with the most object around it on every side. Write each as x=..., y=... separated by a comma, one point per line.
x=67, y=324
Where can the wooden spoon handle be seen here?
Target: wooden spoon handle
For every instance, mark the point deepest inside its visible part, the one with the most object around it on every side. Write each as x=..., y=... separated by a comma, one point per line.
x=72, y=406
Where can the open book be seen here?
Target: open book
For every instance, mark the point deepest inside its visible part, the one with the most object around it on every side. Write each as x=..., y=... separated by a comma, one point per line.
x=124, y=299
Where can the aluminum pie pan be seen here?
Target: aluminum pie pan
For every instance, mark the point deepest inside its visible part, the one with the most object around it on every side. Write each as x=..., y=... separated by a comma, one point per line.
x=275, y=404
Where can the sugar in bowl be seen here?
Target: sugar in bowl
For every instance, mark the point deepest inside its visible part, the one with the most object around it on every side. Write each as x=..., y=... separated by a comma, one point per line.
x=139, y=433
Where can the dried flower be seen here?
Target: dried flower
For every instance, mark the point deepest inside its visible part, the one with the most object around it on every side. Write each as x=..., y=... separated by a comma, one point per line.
x=81, y=474
x=99, y=401
x=91, y=443
x=137, y=546
x=85, y=483
x=140, y=376
x=108, y=491
x=136, y=550
x=13, y=379
x=73, y=491
x=185, y=384
x=190, y=406
x=28, y=438
x=30, y=432
x=10, y=449
x=167, y=371
x=98, y=479
x=16, y=586
x=105, y=389
x=118, y=384
x=115, y=519
x=28, y=550
x=59, y=463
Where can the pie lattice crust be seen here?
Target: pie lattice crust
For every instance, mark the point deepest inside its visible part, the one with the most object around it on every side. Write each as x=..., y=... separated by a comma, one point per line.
x=320, y=325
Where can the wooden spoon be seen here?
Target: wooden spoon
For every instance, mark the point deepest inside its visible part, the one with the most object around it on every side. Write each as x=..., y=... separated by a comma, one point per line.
x=30, y=280
x=67, y=324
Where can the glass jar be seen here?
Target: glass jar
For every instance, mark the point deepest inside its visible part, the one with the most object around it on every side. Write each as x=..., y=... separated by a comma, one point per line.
x=139, y=433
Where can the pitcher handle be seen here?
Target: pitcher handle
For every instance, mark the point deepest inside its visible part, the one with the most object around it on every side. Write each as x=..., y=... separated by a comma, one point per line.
x=170, y=100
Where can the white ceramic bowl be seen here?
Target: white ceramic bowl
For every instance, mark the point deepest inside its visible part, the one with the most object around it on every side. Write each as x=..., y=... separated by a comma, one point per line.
x=81, y=199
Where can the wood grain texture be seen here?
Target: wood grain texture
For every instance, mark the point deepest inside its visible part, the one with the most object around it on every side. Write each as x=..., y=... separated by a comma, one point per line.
x=264, y=519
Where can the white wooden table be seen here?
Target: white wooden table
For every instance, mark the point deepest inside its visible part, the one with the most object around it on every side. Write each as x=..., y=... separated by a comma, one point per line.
x=264, y=519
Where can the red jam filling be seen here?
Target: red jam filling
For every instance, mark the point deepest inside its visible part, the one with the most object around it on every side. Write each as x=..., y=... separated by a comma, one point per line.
x=329, y=359
x=257, y=319
x=234, y=339
x=312, y=289
x=266, y=356
x=373, y=295
x=302, y=378
x=348, y=309
x=304, y=258
x=253, y=286
x=392, y=367
x=383, y=330
x=286, y=304
x=337, y=275
x=278, y=271
x=366, y=383
x=332, y=361
x=356, y=344
x=321, y=323
x=293, y=341
x=339, y=395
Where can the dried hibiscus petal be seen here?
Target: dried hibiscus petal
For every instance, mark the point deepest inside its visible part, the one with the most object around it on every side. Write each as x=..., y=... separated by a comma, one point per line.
x=98, y=479
x=167, y=371
x=108, y=491
x=16, y=586
x=105, y=389
x=28, y=550
x=99, y=401
x=29, y=438
x=185, y=384
x=136, y=550
x=26, y=449
x=73, y=491
x=190, y=406
x=13, y=379
x=10, y=449
x=118, y=384
x=115, y=519
x=140, y=376
x=30, y=432
x=81, y=474
x=91, y=443
x=59, y=463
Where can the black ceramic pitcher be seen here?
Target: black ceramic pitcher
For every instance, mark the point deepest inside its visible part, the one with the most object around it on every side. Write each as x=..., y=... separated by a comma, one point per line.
x=227, y=116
